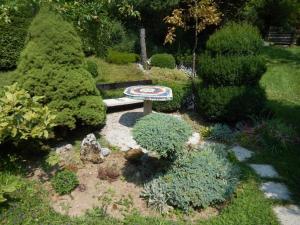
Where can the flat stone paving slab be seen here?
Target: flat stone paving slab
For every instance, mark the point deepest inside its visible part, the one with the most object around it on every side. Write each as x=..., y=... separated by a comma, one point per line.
x=264, y=170
x=241, y=153
x=276, y=191
x=288, y=215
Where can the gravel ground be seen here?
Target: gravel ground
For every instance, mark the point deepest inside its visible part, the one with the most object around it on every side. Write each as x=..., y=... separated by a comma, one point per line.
x=118, y=128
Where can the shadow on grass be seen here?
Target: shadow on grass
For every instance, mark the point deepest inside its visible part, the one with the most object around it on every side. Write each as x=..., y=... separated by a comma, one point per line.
x=282, y=54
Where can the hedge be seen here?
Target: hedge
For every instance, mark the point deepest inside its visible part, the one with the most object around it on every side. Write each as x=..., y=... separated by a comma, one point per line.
x=230, y=103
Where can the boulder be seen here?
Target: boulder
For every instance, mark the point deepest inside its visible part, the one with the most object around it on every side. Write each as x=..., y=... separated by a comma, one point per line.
x=64, y=148
x=134, y=155
x=105, y=152
x=90, y=150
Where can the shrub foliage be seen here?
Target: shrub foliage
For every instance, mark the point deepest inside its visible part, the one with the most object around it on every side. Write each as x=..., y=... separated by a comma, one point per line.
x=178, y=82
x=22, y=117
x=198, y=180
x=230, y=71
x=13, y=36
x=163, y=134
x=163, y=60
x=52, y=64
x=64, y=182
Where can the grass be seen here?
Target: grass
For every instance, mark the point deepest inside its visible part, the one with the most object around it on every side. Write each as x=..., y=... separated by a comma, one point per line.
x=282, y=83
x=111, y=73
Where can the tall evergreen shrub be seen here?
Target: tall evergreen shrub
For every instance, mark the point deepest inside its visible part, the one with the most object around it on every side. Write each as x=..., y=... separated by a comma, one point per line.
x=230, y=70
x=53, y=65
x=13, y=35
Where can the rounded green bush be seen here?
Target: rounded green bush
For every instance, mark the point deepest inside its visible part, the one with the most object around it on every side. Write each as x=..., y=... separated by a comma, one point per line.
x=230, y=103
x=235, y=38
x=92, y=67
x=121, y=57
x=163, y=134
x=180, y=93
x=64, y=182
x=53, y=65
x=200, y=179
x=163, y=60
x=231, y=70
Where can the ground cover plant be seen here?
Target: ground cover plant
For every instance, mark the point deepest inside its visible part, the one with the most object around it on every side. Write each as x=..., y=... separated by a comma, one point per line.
x=199, y=179
x=163, y=134
x=52, y=64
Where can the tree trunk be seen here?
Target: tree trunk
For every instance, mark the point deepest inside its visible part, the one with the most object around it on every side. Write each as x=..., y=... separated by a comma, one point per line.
x=143, y=48
x=195, y=47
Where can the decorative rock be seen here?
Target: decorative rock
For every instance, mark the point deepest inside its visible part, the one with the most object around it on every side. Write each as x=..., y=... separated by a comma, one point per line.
x=90, y=150
x=275, y=191
x=194, y=139
x=241, y=153
x=264, y=170
x=288, y=215
x=134, y=155
x=63, y=149
x=105, y=152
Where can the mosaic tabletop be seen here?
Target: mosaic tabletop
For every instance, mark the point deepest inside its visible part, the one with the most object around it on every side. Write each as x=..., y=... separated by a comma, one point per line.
x=149, y=92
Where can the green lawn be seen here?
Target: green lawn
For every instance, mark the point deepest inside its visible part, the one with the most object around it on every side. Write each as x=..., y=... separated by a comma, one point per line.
x=282, y=83
x=110, y=73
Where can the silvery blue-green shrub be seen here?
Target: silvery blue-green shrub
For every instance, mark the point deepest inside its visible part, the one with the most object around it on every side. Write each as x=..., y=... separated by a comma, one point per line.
x=198, y=180
x=163, y=134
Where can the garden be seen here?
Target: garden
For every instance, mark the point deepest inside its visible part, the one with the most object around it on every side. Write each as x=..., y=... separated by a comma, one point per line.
x=217, y=141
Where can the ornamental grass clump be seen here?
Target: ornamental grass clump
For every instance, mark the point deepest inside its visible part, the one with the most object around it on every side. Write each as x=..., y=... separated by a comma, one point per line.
x=164, y=134
x=200, y=179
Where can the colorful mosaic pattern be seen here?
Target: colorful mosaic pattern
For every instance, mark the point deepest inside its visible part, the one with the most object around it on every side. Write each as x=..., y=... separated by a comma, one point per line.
x=149, y=92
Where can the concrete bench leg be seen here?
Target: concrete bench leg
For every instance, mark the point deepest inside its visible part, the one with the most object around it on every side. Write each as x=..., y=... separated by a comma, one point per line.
x=147, y=107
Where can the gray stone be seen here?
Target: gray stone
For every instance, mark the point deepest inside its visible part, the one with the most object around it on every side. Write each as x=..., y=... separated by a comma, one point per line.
x=275, y=191
x=264, y=170
x=241, y=153
x=105, y=152
x=288, y=215
x=64, y=148
x=194, y=139
x=90, y=150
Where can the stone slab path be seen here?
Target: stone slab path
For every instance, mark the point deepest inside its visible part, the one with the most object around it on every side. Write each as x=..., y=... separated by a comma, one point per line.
x=242, y=154
x=287, y=215
x=264, y=170
x=276, y=190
